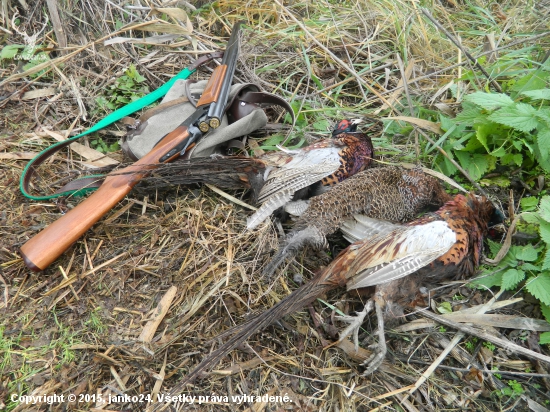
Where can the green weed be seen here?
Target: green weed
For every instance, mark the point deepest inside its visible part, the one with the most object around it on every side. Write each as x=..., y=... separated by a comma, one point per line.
x=101, y=146
x=127, y=88
x=513, y=389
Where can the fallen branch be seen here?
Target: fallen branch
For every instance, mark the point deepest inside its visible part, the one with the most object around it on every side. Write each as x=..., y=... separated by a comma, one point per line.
x=505, y=344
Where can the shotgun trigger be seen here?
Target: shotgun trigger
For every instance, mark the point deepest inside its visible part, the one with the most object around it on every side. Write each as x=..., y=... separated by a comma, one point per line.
x=194, y=135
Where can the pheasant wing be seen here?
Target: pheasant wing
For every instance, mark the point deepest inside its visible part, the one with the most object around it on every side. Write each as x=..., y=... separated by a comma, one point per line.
x=305, y=168
x=396, y=254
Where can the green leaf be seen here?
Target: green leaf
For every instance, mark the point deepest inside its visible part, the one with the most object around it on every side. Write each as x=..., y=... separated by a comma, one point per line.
x=510, y=158
x=546, y=261
x=445, y=307
x=528, y=145
x=532, y=218
x=491, y=161
x=518, y=144
x=274, y=140
x=298, y=145
x=465, y=159
x=446, y=123
x=487, y=281
x=444, y=163
x=473, y=144
x=490, y=101
x=114, y=147
x=544, y=229
x=470, y=116
x=10, y=51
x=544, y=338
x=476, y=165
x=539, y=287
x=543, y=113
x=532, y=81
x=540, y=94
x=511, y=278
x=544, y=162
x=544, y=208
x=500, y=181
x=543, y=140
x=529, y=266
x=501, y=151
x=321, y=125
x=526, y=253
x=510, y=258
x=528, y=203
x=300, y=116
x=520, y=117
x=545, y=309
x=483, y=131
x=494, y=247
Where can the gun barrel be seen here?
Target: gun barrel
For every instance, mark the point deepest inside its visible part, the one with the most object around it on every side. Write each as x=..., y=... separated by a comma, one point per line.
x=229, y=60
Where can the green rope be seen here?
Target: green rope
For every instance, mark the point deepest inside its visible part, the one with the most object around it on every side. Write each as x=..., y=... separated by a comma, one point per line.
x=111, y=118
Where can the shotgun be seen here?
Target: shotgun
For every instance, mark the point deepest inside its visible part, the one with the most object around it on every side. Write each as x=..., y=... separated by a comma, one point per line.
x=41, y=250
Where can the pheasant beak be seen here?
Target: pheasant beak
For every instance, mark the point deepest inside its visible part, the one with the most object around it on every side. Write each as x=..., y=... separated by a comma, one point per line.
x=356, y=121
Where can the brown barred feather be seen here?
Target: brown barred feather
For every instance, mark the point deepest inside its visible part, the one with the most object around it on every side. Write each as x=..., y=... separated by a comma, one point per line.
x=388, y=193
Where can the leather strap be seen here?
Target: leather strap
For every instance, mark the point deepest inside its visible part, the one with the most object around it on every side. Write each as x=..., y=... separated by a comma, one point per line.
x=246, y=100
x=41, y=157
x=205, y=59
x=240, y=110
x=190, y=98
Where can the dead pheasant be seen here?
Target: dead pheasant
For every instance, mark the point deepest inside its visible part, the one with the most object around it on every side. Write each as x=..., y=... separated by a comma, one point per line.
x=322, y=164
x=276, y=177
x=388, y=193
x=443, y=245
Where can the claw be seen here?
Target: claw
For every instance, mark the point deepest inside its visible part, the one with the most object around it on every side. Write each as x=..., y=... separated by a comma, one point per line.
x=355, y=323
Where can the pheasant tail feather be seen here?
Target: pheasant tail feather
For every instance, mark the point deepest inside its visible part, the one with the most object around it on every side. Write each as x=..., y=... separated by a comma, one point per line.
x=293, y=302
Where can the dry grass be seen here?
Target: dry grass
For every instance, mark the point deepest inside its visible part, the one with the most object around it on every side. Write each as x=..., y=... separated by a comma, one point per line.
x=74, y=328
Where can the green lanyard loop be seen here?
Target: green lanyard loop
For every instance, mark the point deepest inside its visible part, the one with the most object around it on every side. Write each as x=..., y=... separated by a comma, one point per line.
x=111, y=118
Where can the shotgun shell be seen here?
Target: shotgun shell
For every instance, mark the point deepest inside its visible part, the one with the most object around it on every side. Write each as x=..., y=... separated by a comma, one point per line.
x=214, y=123
x=203, y=126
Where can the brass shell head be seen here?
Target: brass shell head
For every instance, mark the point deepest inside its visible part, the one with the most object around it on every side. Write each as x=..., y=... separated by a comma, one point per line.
x=203, y=126
x=214, y=123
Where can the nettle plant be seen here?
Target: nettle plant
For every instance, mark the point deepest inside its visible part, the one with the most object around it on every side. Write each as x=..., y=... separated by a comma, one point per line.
x=496, y=128
x=526, y=266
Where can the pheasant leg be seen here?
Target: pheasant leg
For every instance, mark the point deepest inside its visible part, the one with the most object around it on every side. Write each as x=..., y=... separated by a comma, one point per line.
x=377, y=357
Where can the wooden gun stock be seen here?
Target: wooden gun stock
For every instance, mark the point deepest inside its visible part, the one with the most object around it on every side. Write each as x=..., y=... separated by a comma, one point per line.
x=41, y=250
